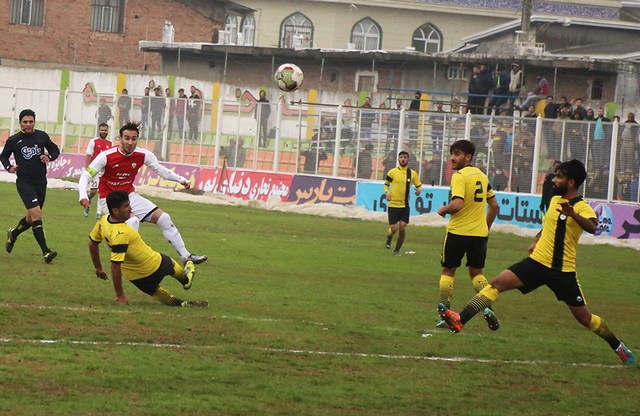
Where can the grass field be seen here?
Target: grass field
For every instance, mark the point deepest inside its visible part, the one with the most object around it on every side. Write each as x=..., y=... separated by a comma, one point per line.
x=308, y=316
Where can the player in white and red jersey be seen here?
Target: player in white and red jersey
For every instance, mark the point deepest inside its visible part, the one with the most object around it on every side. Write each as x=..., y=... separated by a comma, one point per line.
x=118, y=168
x=96, y=146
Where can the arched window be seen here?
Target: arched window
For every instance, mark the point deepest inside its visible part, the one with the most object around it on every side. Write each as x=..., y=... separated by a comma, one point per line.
x=231, y=26
x=596, y=89
x=366, y=35
x=248, y=30
x=296, y=31
x=427, y=39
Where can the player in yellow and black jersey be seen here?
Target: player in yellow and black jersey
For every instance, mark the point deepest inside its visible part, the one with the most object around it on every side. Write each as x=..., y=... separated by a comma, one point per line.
x=400, y=180
x=468, y=229
x=552, y=262
x=132, y=258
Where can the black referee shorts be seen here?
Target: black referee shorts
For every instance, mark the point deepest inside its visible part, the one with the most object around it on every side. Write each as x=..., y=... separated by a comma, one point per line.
x=31, y=193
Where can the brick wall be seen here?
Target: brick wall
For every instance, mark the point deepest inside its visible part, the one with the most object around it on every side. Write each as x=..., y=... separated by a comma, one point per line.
x=65, y=36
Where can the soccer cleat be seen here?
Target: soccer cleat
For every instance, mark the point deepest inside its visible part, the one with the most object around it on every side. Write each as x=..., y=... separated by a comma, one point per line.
x=625, y=355
x=49, y=256
x=10, y=241
x=440, y=323
x=491, y=318
x=85, y=212
x=396, y=252
x=195, y=304
x=450, y=317
x=387, y=244
x=196, y=259
x=98, y=215
x=189, y=273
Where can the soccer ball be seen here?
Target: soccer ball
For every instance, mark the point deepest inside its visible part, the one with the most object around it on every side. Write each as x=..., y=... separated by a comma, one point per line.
x=288, y=77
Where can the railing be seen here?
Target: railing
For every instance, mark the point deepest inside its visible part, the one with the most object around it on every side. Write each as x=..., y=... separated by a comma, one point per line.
x=341, y=141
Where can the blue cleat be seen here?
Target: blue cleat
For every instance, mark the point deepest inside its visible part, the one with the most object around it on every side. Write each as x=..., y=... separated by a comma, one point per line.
x=625, y=355
x=491, y=318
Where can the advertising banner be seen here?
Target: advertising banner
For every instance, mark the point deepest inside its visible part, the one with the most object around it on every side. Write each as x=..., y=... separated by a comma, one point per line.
x=315, y=190
x=245, y=185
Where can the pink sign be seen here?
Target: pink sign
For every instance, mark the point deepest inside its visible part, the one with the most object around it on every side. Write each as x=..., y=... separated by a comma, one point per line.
x=245, y=184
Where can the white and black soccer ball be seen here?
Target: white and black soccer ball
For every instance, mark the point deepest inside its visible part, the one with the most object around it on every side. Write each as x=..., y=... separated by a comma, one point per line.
x=288, y=77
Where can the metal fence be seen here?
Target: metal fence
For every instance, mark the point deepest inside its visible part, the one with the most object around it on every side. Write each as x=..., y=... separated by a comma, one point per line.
x=340, y=141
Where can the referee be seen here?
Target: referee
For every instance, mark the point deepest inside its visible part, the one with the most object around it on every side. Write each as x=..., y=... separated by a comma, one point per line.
x=32, y=149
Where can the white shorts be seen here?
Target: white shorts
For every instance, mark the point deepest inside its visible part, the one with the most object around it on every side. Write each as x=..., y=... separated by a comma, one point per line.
x=141, y=206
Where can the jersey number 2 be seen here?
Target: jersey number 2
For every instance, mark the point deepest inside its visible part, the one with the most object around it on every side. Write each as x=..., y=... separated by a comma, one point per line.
x=478, y=193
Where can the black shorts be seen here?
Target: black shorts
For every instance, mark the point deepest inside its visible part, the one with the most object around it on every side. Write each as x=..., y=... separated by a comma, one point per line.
x=398, y=214
x=456, y=246
x=564, y=284
x=150, y=284
x=31, y=193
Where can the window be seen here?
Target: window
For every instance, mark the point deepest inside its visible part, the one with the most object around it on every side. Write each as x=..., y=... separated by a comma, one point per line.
x=366, y=81
x=427, y=39
x=231, y=27
x=107, y=16
x=596, y=89
x=248, y=30
x=456, y=72
x=366, y=35
x=27, y=12
x=296, y=31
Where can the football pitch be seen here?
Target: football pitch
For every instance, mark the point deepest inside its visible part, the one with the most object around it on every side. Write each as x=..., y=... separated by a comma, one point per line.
x=308, y=316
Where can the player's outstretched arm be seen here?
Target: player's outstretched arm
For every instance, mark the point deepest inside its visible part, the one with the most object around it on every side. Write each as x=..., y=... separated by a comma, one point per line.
x=116, y=275
x=94, y=251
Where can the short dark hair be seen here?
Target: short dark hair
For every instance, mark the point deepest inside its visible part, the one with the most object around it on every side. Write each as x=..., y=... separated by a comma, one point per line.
x=573, y=169
x=115, y=199
x=27, y=112
x=103, y=125
x=131, y=126
x=465, y=146
x=403, y=152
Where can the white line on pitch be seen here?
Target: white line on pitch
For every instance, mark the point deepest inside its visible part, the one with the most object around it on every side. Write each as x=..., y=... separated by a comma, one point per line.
x=310, y=352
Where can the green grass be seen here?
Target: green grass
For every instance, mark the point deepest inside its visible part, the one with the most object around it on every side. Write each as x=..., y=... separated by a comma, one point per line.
x=308, y=316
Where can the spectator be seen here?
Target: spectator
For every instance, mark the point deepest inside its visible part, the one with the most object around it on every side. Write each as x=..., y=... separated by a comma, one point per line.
x=414, y=117
x=564, y=103
x=103, y=114
x=500, y=181
x=235, y=154
x=590, y=115
x=172, y=110
x=437, y=128
x=264, y=109
x=600, y=137
x=547, y=186
x=194, y=112
x=530, y=123
x=389, y=162
x=551, y=108
x=312, y=158
x=180, y=111
x=576, y=138
x=364, y=162
x=500, y=91
x=515, y=83
x=478, y=136
x=144, y=110
x=540, y=92
x=559, y=127
x=124, y=108
x=579, y=109
x=157, y=112
x=432, y=170
x=475, y=101
x=367, y=118
x=629, y=144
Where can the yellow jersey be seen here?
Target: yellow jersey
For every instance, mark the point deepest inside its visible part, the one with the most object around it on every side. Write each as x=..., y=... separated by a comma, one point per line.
x=556, y=247
x=127, y=247
x=472, y=185
x=400, y=186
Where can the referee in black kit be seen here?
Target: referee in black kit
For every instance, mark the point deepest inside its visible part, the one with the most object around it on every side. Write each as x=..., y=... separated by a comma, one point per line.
x=32, y=149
